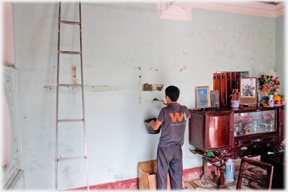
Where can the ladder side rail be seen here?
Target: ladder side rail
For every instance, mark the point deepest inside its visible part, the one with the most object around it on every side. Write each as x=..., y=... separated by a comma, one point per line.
x=83, y=108
x=57, y=100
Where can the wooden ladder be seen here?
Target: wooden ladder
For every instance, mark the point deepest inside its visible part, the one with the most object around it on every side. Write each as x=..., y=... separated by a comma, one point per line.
x=70, y=85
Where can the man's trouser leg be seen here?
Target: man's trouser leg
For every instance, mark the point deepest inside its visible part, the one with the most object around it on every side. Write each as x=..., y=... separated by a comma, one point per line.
x=162, y=168
x=176, y=169
x=169, y=157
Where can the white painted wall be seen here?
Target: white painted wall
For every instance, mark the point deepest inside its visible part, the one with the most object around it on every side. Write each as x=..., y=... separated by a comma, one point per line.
x=117, y=39
x=6, y=134
x=280, y=52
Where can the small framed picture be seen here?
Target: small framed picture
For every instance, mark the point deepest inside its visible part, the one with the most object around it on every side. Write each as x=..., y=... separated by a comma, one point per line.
x=202, y=97
x=214, y=96
x=248, y=91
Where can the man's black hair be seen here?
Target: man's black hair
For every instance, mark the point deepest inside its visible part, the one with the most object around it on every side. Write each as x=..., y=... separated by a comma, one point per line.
x=172, y=92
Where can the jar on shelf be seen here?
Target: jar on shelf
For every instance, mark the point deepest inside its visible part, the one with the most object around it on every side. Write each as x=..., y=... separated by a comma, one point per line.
x=236, y=130
x=254, y=126
x=271, y=126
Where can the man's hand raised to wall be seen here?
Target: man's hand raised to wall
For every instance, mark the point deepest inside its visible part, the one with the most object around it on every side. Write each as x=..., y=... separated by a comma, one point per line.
x=151, y=123
x=154, y=124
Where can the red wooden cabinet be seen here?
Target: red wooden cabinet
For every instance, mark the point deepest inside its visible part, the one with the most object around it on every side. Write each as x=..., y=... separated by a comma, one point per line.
x=215, y=130
x=211, y=130
x=281, y=123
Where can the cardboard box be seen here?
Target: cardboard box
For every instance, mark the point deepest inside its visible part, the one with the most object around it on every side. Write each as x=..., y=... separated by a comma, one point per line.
x=147, y=179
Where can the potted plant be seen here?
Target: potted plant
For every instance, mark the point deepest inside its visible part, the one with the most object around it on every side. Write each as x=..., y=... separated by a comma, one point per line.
x=270, y=86
x=234, y=98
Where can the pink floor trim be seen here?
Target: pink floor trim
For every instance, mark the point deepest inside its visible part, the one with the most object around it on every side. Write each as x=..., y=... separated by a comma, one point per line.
x=132, y=184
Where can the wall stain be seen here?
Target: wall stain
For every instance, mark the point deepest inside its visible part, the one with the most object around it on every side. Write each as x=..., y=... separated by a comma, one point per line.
x=184, y=68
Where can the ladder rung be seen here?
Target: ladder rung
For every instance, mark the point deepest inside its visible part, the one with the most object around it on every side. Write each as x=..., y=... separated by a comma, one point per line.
x=70, y=22
x=70, y=52
x=71, y=158
x=69, y=120
x=70, y=85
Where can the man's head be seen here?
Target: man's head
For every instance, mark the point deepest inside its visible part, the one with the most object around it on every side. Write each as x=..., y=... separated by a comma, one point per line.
x=172, y=92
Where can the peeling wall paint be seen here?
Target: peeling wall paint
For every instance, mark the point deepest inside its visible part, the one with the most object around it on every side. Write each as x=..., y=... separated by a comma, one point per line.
x=100, y=88
x=151, y=87
x=115, y=43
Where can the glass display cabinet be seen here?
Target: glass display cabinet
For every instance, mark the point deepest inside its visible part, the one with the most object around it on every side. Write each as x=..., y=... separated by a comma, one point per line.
x=232, y=133
x=237, y=130
x=249, y=123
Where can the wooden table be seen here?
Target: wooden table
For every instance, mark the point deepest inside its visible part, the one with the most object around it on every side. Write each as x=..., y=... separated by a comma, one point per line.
x=206, y=175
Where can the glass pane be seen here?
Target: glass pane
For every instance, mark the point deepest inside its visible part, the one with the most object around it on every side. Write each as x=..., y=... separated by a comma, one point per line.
x=254, y=122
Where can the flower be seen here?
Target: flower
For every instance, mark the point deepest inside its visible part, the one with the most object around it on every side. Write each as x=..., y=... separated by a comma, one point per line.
x=245, y=123
x=269, y=85
x=234, y=94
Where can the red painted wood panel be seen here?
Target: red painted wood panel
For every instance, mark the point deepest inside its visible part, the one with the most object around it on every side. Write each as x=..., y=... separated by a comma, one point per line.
x=197, y=130
x=219, y=131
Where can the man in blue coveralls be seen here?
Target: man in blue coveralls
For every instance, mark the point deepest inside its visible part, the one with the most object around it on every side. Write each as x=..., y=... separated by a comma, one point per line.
x=169, y=154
